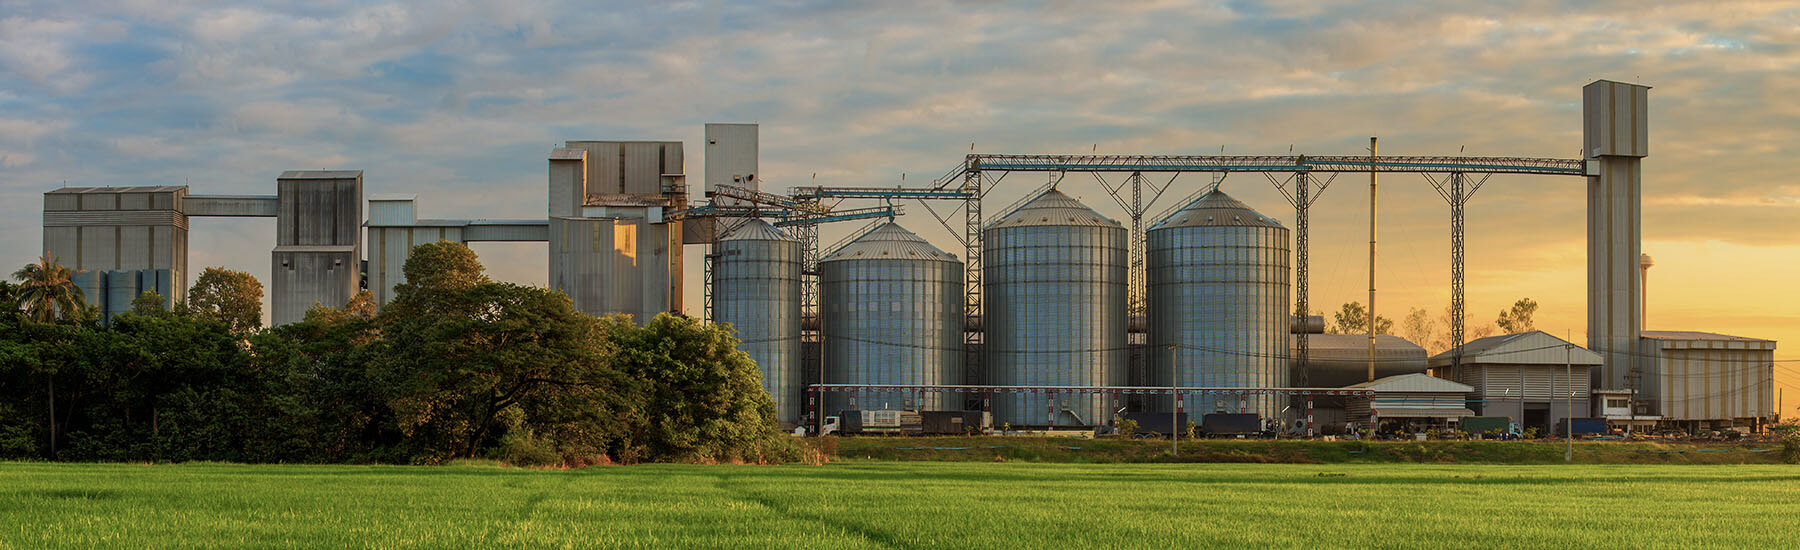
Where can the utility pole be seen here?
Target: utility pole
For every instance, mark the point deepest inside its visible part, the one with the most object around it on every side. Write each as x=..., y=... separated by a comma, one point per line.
x=1569, y=414
x=1174, y=401
x=1371, y=258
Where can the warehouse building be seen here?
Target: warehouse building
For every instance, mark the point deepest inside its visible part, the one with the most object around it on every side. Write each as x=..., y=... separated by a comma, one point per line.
x=1704, y=381
x=1532, y=377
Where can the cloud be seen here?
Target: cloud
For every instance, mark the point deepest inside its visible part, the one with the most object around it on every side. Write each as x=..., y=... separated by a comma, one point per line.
x=464, y=98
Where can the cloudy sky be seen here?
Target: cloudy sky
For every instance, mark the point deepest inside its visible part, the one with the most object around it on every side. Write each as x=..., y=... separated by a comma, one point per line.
x=459, y=101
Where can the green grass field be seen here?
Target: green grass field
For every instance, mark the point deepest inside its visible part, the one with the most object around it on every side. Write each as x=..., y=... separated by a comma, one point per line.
x=902, y=504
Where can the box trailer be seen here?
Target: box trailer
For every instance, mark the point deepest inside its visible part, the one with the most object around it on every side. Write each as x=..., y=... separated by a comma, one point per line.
x=1583, y=426
x=1231, y=424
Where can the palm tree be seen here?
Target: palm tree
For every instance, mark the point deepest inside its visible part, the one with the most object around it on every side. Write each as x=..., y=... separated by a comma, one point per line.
x=45, y=290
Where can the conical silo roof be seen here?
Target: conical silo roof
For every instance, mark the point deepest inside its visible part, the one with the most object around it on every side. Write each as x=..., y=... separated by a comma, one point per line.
x=758, y=230
x=1215, y=209
x=890, y=241
x=1054, y=208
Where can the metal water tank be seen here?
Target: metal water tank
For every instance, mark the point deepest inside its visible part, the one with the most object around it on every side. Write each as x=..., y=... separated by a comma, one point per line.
x=756, y=288
x=1218, y=290
x=1054, y=275
x=893, y=314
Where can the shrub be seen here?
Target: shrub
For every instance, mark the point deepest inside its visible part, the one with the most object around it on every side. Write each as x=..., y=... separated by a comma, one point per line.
x=1790, y=447
x=1126, y=426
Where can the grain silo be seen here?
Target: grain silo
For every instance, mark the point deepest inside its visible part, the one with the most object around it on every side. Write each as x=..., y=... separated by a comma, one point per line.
x=892, y=308
x=1218, y=283
x=1055, y=291
x=756, y=283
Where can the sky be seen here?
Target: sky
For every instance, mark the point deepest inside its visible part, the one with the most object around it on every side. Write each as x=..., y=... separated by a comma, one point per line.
x=461, y=101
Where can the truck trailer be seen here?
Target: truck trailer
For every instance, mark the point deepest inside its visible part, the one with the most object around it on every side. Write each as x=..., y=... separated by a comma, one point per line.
x=890, y=422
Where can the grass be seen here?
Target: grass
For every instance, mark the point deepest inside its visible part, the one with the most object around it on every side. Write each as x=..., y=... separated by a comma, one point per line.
x=900, y=504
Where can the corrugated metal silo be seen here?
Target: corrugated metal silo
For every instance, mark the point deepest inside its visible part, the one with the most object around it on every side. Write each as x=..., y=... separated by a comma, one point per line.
x=756, y=288
x=893, y=314
x=1218, y=288
x=1055, y=290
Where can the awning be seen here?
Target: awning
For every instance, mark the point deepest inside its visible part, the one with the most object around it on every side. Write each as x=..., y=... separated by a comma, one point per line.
x=1424, y=413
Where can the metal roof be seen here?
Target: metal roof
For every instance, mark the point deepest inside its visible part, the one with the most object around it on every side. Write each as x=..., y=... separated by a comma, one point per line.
x=138, y=189
x=1525, y=348
x=758, y=230
x=1054, y=208
x=568, y=153
x=1688, y=335
x=1414, y=383
x=1385, y=345
x=320, y=174
x=1215, y=209
x=1391, y=411
x=889, y=242
x=393, y=197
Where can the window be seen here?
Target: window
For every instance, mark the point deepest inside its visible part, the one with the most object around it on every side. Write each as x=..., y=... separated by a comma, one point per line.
x=1617, y=403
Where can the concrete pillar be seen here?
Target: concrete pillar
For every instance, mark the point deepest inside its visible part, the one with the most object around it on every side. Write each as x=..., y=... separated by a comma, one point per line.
x=1615, y=139
x=318, y=242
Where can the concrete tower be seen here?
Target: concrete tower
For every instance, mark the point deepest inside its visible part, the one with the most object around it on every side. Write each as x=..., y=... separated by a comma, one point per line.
x=731, y=151
x=1615, y=142
x=318, y=242
x=612, y=247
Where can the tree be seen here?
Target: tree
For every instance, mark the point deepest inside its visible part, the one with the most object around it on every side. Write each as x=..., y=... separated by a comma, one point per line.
x=702, y=397
x=46, y=290
x=230, y=297
x=150, y=304
x=1517, y=319
x=1353, y=319
x=1471, y=332
x=1418, y=327
x=468, y=360
x=9, y=298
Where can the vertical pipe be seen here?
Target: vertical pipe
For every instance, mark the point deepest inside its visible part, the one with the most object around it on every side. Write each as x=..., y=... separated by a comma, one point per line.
x=1371, y=258
x=1569, y=413
x=1174, y=399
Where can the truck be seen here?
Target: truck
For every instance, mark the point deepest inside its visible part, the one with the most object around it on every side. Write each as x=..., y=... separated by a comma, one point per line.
x=891, y=422
x=1231, y=424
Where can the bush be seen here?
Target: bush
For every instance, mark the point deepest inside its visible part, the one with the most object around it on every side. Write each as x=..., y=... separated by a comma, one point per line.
x=1790, y=447
x=1126, y=426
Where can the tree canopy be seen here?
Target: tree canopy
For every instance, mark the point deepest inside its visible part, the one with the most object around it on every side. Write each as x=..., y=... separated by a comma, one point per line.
x=230, y=297
x=1353, y=318
x=456, y=366
x=1517, y=318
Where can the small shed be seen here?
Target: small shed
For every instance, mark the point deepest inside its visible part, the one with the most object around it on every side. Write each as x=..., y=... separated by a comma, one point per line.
x=1410, y=402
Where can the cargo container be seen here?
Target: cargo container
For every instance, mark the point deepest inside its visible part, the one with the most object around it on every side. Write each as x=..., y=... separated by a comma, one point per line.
x=1481, y=425
x=887, y=422
x=1230, y=424
x=955, y=422
x=1156, y=422
x=1583, y=426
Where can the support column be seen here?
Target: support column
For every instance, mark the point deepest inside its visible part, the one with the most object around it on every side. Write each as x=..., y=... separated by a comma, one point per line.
x=1615, y=141
x=972, y=267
